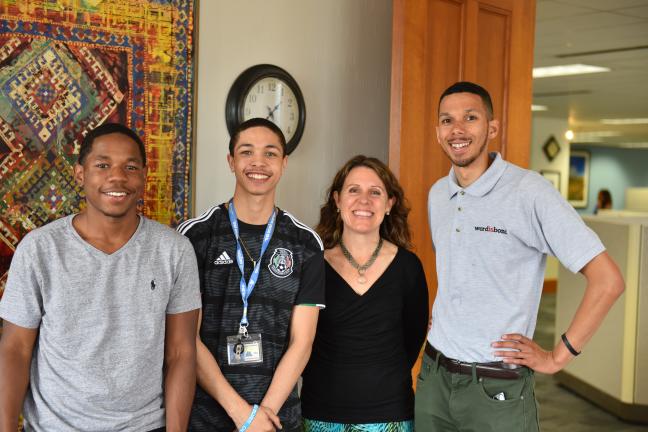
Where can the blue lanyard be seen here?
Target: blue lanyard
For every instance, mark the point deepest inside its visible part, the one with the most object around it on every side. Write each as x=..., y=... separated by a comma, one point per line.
x=246, y=288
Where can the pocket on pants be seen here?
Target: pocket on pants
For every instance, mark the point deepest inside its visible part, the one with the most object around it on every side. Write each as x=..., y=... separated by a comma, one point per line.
x=426, y=367
x=512, y=390
x=516, y=413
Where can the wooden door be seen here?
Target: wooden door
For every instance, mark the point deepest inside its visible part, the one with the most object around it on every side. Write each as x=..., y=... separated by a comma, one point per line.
x=434, y=44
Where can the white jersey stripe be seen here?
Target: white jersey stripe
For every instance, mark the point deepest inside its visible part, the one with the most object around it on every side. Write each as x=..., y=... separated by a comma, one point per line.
x=305, y=227
x=184, y=226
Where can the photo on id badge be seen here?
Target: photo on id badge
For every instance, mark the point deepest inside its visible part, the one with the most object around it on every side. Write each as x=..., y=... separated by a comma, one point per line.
x=244, y=350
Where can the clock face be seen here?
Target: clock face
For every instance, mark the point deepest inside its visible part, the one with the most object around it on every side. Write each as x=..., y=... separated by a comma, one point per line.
x=268, y=92
x=272, y=99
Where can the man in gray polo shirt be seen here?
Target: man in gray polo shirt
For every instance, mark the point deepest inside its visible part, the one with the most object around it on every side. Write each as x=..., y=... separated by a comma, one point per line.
x=100, y=309
x=492, y=226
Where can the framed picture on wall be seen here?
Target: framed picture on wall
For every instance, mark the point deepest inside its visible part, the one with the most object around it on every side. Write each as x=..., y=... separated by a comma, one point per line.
x=578, y=188
x=551, y=148
x=553, y=177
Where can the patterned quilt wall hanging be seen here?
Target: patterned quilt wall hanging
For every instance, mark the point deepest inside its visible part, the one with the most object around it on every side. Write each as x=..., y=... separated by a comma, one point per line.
x=67, y=66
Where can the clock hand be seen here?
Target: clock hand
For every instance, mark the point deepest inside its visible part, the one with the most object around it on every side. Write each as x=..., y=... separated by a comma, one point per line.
x=271, y=112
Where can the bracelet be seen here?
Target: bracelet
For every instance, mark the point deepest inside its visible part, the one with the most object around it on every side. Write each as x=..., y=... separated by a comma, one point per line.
x=568, y=345
x=248, y=422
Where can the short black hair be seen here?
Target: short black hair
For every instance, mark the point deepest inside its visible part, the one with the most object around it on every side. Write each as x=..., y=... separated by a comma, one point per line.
x=257, y=122
x=470, y=87
x=106, y=129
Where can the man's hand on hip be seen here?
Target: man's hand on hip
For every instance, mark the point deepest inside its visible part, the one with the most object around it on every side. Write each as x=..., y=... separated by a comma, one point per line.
x=525, y=352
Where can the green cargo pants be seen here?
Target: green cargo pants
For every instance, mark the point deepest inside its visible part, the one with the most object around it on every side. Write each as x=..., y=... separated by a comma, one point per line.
x=463, y=403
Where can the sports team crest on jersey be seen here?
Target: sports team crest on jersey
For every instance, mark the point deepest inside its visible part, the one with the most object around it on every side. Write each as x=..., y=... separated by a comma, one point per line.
x=281, y=263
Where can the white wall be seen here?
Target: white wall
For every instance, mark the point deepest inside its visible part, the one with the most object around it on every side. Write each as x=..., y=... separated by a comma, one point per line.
x=541, y=129
x=339, y=52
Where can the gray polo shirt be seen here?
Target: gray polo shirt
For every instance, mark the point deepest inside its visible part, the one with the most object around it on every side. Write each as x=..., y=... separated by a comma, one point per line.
x=491, y=240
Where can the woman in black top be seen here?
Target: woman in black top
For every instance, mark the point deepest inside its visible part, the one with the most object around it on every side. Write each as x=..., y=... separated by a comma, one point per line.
x=375, y=322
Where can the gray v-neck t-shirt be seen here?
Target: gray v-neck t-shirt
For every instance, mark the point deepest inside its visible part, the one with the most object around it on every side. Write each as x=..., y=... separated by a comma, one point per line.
x=97, y=362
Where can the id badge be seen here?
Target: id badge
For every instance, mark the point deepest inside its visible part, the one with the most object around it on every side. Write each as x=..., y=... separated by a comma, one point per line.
x=244, y=350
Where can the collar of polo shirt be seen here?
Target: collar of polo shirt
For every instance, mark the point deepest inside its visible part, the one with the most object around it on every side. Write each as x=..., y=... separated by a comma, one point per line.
x=484, y=183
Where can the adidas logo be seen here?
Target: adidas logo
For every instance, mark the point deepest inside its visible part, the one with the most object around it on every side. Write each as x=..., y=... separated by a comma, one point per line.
x=224, y=258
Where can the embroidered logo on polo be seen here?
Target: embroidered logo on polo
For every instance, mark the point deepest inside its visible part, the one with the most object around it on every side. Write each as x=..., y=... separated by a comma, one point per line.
x=281, y=263
x=491, y=229
x=224, y=258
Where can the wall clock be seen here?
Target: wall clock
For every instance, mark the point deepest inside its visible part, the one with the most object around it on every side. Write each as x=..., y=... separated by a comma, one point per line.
x=270, y=92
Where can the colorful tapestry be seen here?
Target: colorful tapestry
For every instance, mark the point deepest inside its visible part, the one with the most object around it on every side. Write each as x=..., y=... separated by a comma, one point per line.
x=67, y=66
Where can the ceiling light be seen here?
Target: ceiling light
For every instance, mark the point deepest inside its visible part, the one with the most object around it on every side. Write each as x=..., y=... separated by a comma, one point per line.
x=563, y=70
x=625, y=121
x=569, y=135
x=599, y=134
x=594, y=136
x=538, y=108
x=634, y=145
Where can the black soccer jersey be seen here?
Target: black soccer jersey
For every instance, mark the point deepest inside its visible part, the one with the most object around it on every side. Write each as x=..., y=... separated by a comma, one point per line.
x=292, y=273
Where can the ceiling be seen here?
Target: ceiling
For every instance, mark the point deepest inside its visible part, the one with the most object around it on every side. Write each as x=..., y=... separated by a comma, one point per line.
x=609, y=33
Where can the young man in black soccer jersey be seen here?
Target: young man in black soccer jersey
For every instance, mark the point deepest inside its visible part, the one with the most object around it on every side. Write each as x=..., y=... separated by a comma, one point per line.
x=262, y=282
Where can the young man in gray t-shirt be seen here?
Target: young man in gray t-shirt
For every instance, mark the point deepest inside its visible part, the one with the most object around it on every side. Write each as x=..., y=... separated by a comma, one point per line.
x=100, y=309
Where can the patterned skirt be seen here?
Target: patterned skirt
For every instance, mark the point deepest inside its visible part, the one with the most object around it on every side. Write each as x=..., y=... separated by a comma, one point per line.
x=322, y=426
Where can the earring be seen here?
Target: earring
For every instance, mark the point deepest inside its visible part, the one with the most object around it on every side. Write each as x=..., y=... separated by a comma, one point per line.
x=387, y=214
x=338, y=210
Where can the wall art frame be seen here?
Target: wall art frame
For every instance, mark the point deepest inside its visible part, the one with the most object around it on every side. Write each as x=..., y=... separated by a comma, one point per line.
x=578, y=187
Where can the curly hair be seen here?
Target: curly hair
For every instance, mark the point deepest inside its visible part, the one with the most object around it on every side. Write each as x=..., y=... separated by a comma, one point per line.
x=394, y=227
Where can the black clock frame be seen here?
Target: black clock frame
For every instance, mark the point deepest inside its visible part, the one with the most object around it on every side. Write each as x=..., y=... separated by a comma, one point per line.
x=242, y=85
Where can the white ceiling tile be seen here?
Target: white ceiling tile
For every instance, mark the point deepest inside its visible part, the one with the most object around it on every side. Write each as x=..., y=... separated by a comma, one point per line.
x=578, y=26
